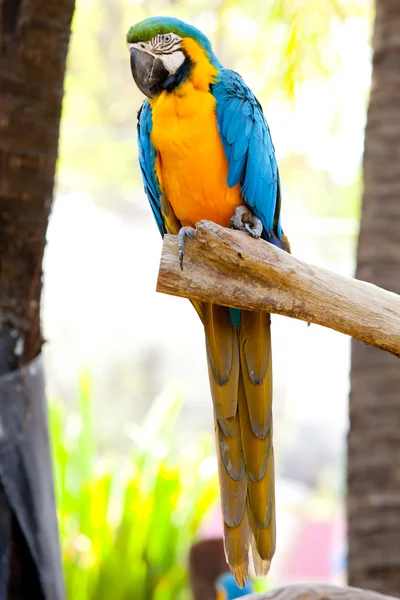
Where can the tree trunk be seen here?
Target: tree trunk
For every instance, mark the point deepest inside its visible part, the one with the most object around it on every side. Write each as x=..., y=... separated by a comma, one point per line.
x=374, y=438
x=34, y=36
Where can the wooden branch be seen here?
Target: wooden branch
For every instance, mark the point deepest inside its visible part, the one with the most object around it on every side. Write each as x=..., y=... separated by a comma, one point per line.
x=319, y=592
x=230, y=268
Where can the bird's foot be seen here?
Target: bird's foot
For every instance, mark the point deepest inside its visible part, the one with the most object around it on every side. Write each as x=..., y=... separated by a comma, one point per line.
x=245, y=220
x=184, y=232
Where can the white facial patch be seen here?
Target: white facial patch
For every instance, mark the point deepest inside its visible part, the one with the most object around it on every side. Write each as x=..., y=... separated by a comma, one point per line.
x=173, y=61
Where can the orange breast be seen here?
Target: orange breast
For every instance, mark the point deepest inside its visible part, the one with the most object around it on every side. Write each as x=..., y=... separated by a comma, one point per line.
x=191, y=164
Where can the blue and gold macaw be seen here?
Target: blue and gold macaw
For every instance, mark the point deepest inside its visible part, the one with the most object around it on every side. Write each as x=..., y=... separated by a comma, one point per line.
x=206, y=152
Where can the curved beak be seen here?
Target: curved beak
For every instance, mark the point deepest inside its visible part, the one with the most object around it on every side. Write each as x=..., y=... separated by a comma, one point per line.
x=148, y=72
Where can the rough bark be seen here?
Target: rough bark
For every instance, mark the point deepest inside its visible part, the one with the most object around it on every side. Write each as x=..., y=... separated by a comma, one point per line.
x=34, y=43
x=230, y=268
x=374, y=438
x=318, y=592
x=34, y=36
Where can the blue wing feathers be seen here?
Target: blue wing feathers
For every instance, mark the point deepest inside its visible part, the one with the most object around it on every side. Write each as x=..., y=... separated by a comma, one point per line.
x=230, y=116
x=147, y=162
x=247, y=110
x=238, y=125
x=249, y=150
x=236, y=171
x=248, y=128
x=241, y=145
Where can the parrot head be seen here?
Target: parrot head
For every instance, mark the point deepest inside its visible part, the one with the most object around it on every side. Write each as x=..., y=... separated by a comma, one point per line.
x=227, y=588
x=160, y=53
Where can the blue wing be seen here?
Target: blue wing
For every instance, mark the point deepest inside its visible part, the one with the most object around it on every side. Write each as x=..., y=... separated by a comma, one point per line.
x=249, y=150
x=147, y=161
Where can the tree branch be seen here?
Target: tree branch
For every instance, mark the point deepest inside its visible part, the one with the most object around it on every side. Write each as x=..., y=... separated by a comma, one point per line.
x=318, y=592
x=230, y=268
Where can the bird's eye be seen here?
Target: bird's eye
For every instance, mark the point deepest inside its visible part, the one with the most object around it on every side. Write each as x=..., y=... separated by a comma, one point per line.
x=167, y=38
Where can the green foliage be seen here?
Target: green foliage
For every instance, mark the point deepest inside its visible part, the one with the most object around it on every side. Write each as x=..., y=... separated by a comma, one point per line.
x=303, y=33
x=126, y=524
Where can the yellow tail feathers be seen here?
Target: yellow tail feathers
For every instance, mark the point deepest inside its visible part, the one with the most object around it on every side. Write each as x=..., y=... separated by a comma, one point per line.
x=240, y=370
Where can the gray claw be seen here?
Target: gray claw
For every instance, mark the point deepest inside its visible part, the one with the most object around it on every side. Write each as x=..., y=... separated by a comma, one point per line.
x=184, y=232
x=254, y=231
x=240, y=217
x=245, y=220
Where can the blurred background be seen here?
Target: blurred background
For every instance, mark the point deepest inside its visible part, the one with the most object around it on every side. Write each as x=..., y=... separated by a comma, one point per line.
x=130, y=408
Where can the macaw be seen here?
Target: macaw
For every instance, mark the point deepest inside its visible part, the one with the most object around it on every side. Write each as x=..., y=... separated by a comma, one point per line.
x=227, y=588
x=205, y=152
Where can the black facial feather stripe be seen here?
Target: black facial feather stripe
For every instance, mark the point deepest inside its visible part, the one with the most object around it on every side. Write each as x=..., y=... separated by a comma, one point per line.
x=160, y=46
x=171, y=48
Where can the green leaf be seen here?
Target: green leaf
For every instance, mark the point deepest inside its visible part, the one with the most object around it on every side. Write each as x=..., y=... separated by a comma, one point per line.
x=127, y=523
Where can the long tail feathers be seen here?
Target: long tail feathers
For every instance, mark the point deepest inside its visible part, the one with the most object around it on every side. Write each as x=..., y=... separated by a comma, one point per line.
x=240, y=370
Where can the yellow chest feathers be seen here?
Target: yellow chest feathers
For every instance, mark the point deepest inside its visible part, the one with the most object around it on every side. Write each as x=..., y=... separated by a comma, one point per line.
x=191, y=164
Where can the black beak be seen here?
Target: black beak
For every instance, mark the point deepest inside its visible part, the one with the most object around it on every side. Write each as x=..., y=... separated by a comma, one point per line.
x=148, y=72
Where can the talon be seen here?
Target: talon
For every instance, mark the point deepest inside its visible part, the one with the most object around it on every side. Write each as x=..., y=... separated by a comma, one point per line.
x=245, y=220
x=255, y=228
x=240, y=217
x=250, y=230
x=184, y=232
